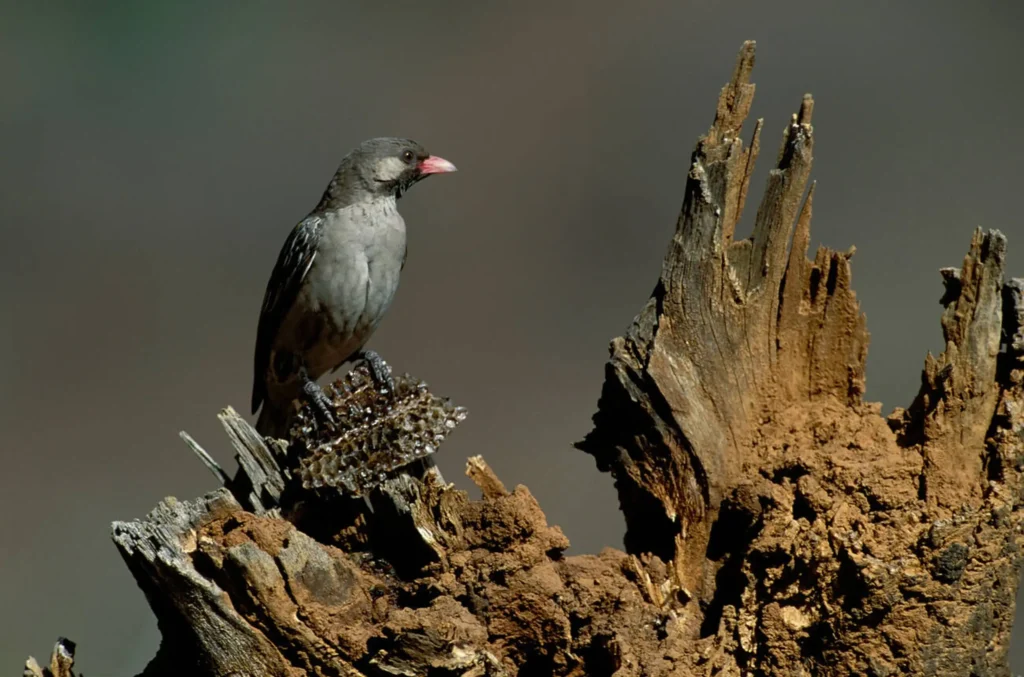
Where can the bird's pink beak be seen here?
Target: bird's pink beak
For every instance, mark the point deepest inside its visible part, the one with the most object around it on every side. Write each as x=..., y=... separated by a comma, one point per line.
x=435, y=165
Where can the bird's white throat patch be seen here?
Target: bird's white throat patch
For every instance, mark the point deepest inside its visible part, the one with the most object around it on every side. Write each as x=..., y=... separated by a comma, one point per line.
x=389, y=169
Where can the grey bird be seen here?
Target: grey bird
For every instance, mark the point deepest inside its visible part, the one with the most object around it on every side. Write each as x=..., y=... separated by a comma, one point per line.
x=335, y=277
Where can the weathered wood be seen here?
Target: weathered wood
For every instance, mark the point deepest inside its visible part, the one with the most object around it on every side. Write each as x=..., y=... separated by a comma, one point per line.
x=262, y=473
x=482, y=476
x=62, y=660
x=817, y=537
x=732, y=327
x=205, y=458
x=952, y=414
x=777, y=524
x=203, y=632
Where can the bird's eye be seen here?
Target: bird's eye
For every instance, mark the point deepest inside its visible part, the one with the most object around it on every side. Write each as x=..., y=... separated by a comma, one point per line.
x=408, y=156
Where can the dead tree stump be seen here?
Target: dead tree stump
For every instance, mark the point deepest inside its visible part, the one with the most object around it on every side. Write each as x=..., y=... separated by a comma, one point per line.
x=777, y=523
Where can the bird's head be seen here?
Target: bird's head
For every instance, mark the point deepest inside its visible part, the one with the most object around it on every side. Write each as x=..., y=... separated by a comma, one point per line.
x=382, y=167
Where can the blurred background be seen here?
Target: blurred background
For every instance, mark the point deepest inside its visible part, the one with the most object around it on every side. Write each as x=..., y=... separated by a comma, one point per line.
x=155, y=155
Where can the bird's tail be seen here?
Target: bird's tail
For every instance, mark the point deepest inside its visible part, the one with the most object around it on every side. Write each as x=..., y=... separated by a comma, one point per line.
x=274, y=420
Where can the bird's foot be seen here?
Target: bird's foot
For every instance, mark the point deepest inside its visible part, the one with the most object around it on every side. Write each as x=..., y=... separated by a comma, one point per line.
x=320, y=403
x=380, y=371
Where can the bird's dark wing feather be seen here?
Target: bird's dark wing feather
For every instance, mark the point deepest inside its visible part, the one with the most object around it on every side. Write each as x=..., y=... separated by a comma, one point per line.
x=293, y=264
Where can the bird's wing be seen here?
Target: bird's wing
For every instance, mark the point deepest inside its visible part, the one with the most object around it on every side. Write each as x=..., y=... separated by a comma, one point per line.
x=293, y=264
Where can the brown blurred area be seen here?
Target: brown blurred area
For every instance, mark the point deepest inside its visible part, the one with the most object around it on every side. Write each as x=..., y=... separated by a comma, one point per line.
x=156, y=154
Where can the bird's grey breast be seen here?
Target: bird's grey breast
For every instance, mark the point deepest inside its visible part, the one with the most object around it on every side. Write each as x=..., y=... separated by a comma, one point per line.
x=355, y=274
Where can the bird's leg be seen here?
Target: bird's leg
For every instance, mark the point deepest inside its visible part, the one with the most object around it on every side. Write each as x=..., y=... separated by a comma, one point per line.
x=321, y=404
x=380, y=370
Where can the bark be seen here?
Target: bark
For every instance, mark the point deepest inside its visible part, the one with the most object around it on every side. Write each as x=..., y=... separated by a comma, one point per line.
x=776, y=522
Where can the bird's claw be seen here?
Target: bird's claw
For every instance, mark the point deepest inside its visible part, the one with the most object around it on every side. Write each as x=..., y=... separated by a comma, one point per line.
x=320, y=403
x=380, y=371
